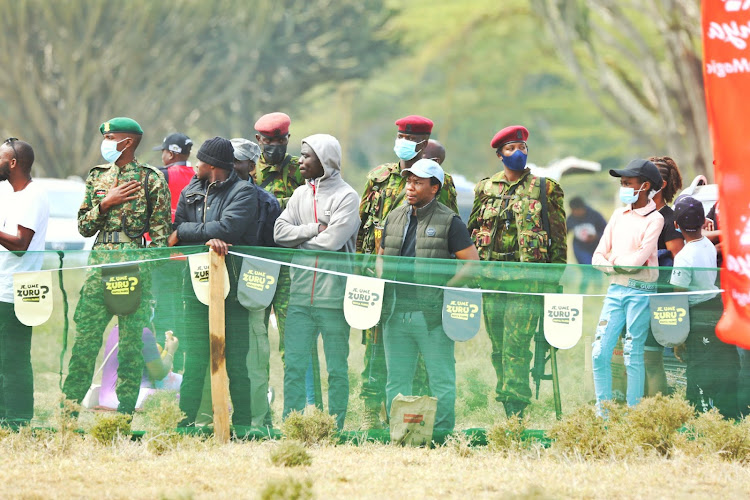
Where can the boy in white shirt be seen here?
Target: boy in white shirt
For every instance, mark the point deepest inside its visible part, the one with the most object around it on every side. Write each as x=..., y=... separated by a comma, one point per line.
x=712, y=365
x=24, y=211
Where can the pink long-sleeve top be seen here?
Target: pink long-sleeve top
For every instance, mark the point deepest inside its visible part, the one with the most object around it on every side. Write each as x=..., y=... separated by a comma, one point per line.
x=630, y=240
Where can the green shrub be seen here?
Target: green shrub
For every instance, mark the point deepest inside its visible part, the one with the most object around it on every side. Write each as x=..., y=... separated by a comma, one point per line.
x=107, y=428
x=290, y=454
x=287, y=489
x=653, y=424
x=582, y=433
x=161, y=412
x=313, y=427
x=507, y=435
x=710, y=433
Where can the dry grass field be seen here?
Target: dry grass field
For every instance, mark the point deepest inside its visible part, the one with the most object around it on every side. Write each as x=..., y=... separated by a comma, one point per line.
x=36, y=468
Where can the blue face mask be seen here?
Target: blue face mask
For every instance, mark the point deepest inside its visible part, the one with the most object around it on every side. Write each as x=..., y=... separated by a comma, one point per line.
x=405, y=149
x=516, y=161
x=109, y=150
x=629, y=195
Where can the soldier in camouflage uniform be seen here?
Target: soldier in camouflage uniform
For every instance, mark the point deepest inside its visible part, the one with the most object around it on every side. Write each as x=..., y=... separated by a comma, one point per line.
x=385, y=190
x=124, y=200
x=278, y=173
x=507, y=225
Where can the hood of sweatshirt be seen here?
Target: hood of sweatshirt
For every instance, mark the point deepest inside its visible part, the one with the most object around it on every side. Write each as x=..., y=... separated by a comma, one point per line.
x=328, y=151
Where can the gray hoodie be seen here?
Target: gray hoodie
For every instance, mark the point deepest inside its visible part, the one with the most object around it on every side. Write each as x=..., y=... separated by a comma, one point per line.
x=328, y=200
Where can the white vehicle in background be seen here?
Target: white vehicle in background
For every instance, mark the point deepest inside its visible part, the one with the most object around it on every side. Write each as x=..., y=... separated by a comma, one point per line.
x=65, y=197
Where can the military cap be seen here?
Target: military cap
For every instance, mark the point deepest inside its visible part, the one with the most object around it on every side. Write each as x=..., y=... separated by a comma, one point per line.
x=689, y=213
x=273, y=125
x=245, y=150
x=414, y=124
x=176, y=143
x=514, y=133
x=121, y=124
x=640, y=168
x=425, y=169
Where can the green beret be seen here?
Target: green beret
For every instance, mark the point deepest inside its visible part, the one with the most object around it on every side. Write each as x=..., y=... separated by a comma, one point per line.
x=121, y=124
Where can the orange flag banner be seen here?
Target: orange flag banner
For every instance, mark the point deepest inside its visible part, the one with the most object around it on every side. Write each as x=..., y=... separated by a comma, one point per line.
x=726, y=74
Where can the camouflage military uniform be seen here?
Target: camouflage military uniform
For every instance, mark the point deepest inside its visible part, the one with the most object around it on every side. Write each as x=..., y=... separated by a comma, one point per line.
x=508, y=226
x=91, y=315
x=281, y=181
x=385, y=190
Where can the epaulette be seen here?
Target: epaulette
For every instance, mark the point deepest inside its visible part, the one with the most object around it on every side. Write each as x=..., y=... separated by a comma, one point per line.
x=103, y=166
x=151, y=167
x=479, y=187
x=381, y=172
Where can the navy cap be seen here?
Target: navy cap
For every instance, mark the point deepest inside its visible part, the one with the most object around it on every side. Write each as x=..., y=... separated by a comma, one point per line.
x=640, y=168
x=176, y=143
x=689, y=213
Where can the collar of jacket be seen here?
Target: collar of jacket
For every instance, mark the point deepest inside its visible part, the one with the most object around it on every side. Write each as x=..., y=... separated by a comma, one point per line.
x=427, y=209
x=500, y=177
x=200, y=186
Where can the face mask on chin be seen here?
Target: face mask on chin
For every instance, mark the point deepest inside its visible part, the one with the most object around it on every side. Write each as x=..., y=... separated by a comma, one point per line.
x=274, y=154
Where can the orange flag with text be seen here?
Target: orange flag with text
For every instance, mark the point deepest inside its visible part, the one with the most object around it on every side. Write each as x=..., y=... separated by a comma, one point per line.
x=726, y=74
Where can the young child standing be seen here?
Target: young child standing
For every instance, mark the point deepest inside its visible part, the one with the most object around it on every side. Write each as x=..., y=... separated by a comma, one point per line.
x=628, y=244
x=712, y=365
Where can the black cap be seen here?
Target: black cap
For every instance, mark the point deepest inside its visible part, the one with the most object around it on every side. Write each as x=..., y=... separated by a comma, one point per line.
x=217, y=152
x=176, y=143
x=689, y=213
x=640, y=168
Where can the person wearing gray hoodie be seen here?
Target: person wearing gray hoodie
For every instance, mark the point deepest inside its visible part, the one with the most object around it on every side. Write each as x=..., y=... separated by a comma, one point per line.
x=322, y=215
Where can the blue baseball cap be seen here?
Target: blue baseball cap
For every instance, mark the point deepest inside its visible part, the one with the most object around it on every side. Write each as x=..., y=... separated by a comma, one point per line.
x=425, y=169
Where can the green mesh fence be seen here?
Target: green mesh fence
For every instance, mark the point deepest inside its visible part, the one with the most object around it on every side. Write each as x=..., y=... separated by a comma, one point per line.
x=104, y=364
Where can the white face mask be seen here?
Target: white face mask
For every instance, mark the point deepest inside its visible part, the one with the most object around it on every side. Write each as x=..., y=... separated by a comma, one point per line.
x=109, y=150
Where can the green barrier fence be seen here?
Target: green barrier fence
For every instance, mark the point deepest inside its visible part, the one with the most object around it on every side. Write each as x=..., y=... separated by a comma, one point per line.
x=384, y=329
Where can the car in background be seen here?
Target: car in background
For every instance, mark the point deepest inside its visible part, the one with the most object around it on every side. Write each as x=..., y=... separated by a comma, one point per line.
x=65, y=197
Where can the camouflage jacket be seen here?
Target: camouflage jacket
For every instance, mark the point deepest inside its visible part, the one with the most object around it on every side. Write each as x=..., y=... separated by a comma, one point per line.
x=385, y=191
x=130, y=217
x=279, y=180
x=510, y=228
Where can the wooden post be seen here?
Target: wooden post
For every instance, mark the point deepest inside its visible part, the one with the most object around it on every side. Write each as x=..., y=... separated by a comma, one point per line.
x=219, y=379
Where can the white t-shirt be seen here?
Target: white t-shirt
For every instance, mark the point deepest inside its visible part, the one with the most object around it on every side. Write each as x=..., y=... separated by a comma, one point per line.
x=696, y=254
x=28, y=208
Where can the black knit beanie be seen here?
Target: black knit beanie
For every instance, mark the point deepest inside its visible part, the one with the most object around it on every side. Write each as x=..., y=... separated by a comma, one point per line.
x=217, y=152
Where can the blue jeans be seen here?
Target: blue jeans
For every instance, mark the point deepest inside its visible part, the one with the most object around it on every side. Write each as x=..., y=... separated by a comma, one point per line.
x=629, y=308
x=303, y=324
x=404, y=337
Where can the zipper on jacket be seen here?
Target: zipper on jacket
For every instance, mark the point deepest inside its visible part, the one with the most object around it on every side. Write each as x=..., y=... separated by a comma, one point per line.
x=315, y=215
x=205, y=202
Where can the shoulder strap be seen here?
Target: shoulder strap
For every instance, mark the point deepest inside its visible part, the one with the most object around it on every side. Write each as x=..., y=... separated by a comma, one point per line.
x=545, y=215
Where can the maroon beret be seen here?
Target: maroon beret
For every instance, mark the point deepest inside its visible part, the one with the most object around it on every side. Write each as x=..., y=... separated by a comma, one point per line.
x=414, y=124
x=514, y=133
x=273, y=125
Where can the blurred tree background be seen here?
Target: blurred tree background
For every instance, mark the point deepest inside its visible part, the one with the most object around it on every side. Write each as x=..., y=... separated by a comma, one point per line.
x=351, y=68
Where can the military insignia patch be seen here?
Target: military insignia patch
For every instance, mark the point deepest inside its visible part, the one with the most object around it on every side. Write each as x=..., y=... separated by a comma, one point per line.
x=100, y=193
x=106, y=126
x=430, y=231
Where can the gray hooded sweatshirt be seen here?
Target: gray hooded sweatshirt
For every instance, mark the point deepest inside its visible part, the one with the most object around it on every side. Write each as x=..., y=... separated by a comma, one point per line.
x=326, y=200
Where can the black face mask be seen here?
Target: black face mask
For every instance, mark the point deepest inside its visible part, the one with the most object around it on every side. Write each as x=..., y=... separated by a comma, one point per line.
x=274, y=153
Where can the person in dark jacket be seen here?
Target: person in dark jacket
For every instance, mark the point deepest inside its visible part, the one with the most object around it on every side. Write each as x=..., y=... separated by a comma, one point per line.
x=217, y=209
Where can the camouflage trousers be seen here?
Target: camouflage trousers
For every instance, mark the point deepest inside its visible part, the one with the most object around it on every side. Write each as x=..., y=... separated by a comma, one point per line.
x=280, y=305
x=375, y=373
x=91, y=318
x=511, y=321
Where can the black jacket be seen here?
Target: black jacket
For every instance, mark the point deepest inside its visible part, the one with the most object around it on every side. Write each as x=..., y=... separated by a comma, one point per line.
x=226, y=210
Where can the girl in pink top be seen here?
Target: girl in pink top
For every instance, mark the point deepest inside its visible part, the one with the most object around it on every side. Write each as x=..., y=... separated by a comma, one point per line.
x=629, y=245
